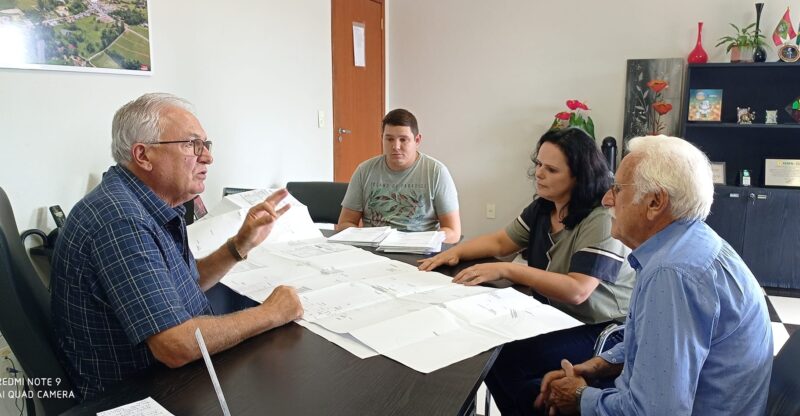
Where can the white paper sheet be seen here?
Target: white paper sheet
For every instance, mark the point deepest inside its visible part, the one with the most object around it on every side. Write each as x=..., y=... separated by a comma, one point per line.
x=367, y=303
x=359, y=45
x=144, y=407
x=408, y=283
x=350, y=344
x=338, y=299
x=333, y=276
x=354, y=319
x=224, y=221
x=447, y=293
x=364, y=236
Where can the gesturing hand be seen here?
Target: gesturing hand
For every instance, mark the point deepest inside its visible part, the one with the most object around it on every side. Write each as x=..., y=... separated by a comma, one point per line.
x=259, y=221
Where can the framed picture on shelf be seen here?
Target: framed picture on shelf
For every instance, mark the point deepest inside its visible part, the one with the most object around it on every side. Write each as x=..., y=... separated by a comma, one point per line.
x=718, y=172
x=705, y=105
x=782, y=172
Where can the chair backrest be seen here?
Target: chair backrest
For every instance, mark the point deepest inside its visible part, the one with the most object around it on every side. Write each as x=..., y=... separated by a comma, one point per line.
x=229, y=190
x=612, y=331
x=323, y=199
x=784, y=387
x=25, y=314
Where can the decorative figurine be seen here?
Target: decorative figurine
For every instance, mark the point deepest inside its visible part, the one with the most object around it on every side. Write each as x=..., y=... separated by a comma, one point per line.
x=772, y=117
x=744, y=115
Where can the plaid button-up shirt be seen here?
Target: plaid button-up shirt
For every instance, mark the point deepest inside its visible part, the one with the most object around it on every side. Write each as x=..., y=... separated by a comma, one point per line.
x=122, y=271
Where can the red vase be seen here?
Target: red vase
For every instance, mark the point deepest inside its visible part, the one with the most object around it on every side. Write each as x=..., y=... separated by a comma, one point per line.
x=698, y=55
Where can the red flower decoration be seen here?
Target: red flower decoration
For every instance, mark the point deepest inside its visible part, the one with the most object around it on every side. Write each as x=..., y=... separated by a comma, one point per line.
x=662, y=108
x=563, y=115
x=657, y=85
x=575, y=104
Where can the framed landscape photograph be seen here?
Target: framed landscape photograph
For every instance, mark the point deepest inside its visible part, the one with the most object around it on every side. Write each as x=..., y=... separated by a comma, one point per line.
x=111, y=36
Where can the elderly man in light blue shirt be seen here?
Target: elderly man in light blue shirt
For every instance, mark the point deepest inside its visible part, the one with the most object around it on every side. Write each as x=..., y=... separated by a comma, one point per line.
x=698, y=339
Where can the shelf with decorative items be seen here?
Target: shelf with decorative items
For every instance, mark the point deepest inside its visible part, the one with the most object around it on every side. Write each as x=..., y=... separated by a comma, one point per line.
x=718, y=94
x=729, y=122
x=704, y=125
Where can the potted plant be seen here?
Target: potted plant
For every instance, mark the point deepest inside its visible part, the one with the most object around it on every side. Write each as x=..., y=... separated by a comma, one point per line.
x=741, y=44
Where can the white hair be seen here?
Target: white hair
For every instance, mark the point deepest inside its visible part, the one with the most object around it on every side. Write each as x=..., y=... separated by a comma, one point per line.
x=139, y=121
x=677, y=167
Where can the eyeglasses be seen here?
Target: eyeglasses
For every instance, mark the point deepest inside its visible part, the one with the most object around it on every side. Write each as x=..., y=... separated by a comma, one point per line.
x=197, y=144
x=617, y=187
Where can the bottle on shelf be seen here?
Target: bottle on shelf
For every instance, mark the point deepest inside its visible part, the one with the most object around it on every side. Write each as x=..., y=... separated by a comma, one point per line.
x=744, y=177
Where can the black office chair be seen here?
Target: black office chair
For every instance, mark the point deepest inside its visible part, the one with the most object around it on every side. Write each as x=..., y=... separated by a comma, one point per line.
x=784, y=387
x=323, y=199
x=25, y=315
x=229, y=190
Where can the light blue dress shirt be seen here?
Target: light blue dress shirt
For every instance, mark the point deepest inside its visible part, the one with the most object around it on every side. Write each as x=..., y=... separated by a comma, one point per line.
x=697, y=339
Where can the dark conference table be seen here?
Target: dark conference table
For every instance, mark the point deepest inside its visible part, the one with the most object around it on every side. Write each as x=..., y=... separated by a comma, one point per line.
x=292, y=371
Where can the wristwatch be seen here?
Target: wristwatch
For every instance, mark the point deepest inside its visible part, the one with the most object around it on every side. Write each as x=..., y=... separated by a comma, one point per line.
x=234, y=251
x=579, y=393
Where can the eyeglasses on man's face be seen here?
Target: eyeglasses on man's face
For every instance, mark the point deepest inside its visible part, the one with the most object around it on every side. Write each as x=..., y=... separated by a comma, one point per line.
x=197, y=144
x=617, y=187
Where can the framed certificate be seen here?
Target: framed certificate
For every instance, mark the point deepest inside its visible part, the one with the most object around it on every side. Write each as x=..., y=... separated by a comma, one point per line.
x=782, y=172
x=718, y=171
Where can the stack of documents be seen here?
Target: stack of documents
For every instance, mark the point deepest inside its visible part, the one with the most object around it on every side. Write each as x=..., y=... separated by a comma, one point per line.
x=366, y=236
x=418, y=243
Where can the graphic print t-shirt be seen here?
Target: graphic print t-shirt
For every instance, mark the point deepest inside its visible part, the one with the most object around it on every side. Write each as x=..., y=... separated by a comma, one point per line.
x=409, y=200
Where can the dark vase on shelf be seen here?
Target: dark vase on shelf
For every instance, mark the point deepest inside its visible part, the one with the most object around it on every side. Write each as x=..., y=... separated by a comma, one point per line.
x=759, y=53
x=698, y=55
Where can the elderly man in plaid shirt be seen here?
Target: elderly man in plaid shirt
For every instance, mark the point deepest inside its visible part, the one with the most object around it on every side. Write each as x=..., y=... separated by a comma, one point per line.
x=126, y=290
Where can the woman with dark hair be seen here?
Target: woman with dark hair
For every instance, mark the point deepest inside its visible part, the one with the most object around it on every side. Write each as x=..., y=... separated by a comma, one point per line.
x=573, y=264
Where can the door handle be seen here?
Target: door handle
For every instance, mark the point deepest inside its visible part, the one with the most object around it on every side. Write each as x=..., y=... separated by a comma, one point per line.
x=341, y=132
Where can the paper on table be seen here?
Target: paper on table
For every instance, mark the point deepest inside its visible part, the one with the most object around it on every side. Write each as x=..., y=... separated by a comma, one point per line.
x=428, y=339
x=447, y=293
x=529, y=322
x=413, y=242
x=345, y=341
x=340, y=298
x=333, y=276
x=365, y=236
x=408, y=283
x=438, y=352
x=305, y=249
x=144, y=407
x=343, y=259
x=372, y=314
x=497, y=303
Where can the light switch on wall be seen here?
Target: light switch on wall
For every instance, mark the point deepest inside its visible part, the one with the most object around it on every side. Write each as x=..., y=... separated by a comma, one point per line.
x=320, y=118
x=490, y=211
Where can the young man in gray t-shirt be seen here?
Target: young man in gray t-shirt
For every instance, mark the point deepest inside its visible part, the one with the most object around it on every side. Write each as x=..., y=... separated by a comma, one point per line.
x=403, y=188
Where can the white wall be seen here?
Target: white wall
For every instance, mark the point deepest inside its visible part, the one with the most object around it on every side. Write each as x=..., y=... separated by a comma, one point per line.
x=256, y=71
x=485, y=78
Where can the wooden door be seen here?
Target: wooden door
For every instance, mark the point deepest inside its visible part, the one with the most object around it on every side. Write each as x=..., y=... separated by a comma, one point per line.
x=358, y=91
